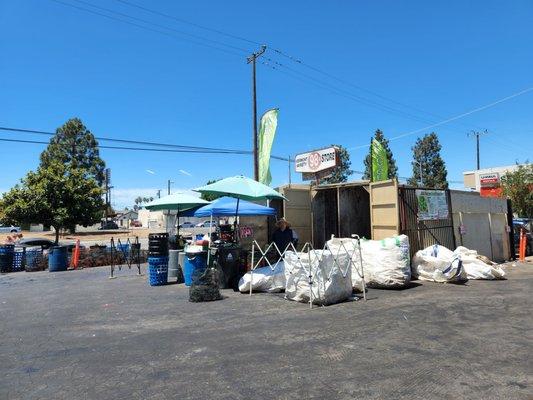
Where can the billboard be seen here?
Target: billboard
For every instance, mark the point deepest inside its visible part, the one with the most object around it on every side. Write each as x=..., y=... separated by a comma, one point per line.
x=317, y=160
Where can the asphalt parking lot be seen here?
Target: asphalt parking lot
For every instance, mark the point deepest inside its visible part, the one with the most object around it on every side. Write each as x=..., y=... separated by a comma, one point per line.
x=80, y=335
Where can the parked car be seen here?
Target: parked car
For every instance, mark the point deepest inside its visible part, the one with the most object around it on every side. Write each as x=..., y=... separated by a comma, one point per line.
x=9, y=229
x=136, y=224
x=206, y=224
x=45, y=244
x=517, y=227
x=30, y=242
x=186, y=225
x=108, y=225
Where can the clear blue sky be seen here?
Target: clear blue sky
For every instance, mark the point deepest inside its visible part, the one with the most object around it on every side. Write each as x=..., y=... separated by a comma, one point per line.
x=445, y=58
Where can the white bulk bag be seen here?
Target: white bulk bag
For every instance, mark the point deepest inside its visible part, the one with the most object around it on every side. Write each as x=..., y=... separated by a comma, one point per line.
x=265, y=279
x=476, y=268
x=330, y=276
x=438, y=264
x=385, y=262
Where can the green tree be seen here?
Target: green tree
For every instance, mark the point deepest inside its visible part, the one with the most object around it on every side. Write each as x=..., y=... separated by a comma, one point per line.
x=518, y=186
x=343, y=171
x=426, y=155
x=207, y=196
x=393, y=169
x=56, y=195
x=75, y=146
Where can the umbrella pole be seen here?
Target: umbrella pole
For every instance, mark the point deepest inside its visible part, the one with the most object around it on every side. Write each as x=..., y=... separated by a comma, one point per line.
x=235, y=223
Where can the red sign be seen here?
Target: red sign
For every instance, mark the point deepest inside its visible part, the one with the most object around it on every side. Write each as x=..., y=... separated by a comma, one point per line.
x=489, y=180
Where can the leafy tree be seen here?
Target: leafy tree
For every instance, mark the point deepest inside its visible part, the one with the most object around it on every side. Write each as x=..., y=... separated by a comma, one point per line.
x=426, y=155
x=56, y=195
x=518, y=186
x=75, y=146
x=207, y=196
x=343, y=171
x=393, y=169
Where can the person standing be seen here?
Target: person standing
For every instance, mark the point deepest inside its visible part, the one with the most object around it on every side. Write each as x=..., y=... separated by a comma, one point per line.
x=283, y=235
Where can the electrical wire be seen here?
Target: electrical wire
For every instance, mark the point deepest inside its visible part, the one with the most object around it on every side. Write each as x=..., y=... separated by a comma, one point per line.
x=475, y=110
x=246, y=51
x=161, y=14
x=107, y=139
x=146, y=27
x=136, y=148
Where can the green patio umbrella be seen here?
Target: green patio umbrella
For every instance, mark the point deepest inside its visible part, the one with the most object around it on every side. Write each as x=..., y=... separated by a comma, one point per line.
x=240, y=187
x=179, y=202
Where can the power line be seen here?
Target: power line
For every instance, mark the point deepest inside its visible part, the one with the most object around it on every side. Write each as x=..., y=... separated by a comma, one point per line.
x=171, y=147
x=475, y=110
x=136, y=148
x=161, y=14
x=161, y=26
x=145, y=27
x=107, y=139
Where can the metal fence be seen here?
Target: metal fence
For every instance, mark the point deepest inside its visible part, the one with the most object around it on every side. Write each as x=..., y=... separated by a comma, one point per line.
x=310, y=259
x=423, y=233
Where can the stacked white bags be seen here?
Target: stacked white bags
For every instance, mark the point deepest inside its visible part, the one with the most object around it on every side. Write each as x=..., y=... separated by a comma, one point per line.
x=385, y=262
x=476, y=268
x=438, y=264
x=270, y=279
x=330, y=277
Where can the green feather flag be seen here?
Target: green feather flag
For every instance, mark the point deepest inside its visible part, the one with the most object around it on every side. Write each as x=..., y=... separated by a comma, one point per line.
x=380, y=164
x=267, y=131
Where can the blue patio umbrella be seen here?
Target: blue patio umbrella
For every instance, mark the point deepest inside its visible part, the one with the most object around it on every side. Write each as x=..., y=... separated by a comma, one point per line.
x=229, y=206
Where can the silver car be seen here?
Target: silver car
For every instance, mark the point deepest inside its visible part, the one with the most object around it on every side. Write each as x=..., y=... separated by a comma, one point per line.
x=9, y=229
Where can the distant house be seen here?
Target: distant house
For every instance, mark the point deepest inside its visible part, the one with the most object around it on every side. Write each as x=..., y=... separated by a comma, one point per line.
x=124, y=218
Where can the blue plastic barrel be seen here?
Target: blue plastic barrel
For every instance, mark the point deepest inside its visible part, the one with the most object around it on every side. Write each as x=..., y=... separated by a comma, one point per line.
x=57, y=259
x=193, y=262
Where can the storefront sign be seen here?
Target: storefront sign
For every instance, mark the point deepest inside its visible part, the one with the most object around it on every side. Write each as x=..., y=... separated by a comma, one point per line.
x=489, y=180
x=432, y=204
x=317, y=160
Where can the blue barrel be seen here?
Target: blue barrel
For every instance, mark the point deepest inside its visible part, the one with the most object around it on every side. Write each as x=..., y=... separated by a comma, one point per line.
x=57, y=259
x=194, y=261
x=6, y=257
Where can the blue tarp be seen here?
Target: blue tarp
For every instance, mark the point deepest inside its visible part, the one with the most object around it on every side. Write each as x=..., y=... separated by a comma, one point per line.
x=227, y=206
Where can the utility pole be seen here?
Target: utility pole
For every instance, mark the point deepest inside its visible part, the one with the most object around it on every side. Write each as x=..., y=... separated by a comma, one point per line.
x=251, y=60
x=477, y=134
x=289, y=171
x=419, y=172
x=169, y=182
x=158, y=193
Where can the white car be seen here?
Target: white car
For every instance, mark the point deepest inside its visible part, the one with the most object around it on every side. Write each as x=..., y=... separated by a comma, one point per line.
x=206, y=224
x=9, y=229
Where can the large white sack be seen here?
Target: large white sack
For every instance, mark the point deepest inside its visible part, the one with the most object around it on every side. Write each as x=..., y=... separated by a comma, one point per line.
x=265, y=279
x=330, y=277
x=476, y=268
x=438, y=264
x=385, y=262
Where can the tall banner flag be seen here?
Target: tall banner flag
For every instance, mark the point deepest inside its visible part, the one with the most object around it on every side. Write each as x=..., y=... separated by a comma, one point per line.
x=267, y=131
x=380, y=163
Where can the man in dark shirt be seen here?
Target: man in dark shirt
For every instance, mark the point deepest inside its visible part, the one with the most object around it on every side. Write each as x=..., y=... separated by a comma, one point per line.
x=283, y=235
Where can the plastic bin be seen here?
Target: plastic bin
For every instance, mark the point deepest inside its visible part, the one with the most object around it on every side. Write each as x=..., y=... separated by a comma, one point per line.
x=194, y=261
x=57, y=259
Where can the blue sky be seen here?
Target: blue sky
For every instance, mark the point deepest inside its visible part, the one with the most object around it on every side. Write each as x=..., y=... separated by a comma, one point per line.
x=444, y=58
